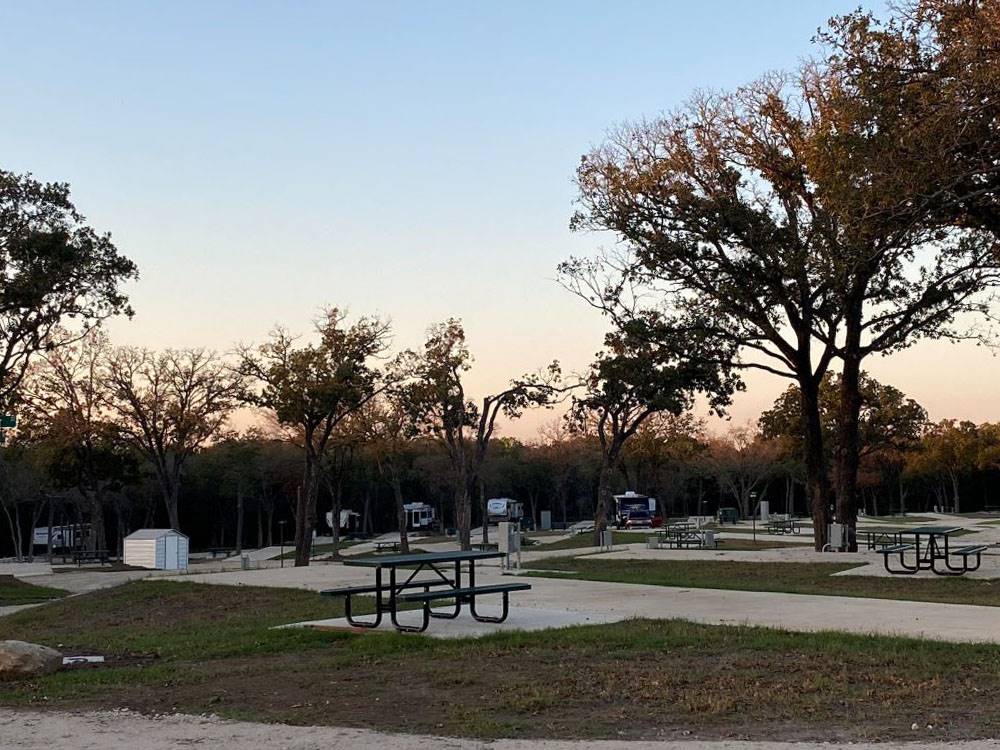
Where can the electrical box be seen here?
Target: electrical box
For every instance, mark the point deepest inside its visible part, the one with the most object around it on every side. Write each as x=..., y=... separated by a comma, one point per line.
x=546, y=520
x=837, y=536
x=509, y=542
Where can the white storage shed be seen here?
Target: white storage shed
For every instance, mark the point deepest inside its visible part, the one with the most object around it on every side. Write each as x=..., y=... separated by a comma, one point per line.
x=157, y=549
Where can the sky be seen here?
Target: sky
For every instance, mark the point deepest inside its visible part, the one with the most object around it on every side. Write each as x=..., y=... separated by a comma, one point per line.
x=414, y=160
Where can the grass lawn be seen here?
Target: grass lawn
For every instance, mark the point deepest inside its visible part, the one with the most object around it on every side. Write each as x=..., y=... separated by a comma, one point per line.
x=193, y=648
x=786, y=577
x=762, y=542
x=15, y=591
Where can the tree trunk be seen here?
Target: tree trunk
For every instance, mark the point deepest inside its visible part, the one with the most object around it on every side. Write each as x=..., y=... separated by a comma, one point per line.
x=170, y=502
x=239, y=520
x=52, y=518
x=305, y=509
x=604, y=499
x=817, y=482
x=482, y=505
x=14, y=534
x=849, y=447
x=397, y=493
x=335, y=526
x=463, y=501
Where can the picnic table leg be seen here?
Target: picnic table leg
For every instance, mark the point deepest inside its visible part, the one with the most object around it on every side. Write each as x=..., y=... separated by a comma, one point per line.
x=458, y=604
x=905, y=570
x=483, y=618
x=424, y=610
x=951, y=570
x=378, y=606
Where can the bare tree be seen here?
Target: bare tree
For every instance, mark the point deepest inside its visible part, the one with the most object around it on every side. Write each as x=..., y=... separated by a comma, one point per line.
x=169, y=405
x=743, y=464
x=311, y=388
x=438, y=405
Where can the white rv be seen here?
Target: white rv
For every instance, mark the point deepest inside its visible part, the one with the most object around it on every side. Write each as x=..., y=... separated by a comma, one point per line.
x=503, y=509
x=419, y=516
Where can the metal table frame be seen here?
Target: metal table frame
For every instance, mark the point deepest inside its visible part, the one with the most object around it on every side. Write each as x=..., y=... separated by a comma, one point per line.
x=779, y=526
x=881, y=536
x=420, y=562
x=936, y=549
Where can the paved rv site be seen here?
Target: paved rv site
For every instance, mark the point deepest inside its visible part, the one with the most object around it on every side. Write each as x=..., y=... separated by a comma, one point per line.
x=586, y=613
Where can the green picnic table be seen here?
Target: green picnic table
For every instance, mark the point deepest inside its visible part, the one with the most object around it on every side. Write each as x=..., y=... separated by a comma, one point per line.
x=444, y=582
x=935, y=554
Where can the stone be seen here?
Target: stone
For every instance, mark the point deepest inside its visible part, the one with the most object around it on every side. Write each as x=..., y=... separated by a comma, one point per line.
x=22, y=659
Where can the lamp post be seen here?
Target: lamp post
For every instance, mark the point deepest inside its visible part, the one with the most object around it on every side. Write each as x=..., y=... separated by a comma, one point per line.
x=281, y=542
x=753, y=515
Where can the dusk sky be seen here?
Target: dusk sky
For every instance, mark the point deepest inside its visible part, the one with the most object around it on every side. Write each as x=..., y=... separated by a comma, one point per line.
x=258, y=160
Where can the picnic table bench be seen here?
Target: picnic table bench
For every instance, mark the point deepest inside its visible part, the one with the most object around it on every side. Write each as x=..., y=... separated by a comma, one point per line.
x=96, y=555
x=935, y=554
x=384, y=545
x=441, y=585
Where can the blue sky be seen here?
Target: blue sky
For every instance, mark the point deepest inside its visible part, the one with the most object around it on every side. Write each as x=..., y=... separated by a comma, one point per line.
x=415, y=159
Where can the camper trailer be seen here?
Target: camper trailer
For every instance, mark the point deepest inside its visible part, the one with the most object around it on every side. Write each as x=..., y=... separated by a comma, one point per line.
x=419, y=517
x=503, y=509
x=350, y=522
x=68, y=537
x=633, y=510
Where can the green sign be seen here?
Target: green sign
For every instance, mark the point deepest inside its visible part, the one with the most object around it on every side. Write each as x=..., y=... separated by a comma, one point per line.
x=8, y=420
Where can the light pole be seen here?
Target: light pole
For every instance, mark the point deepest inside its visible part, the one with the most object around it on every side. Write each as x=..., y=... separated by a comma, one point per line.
x=281, y=542
x=753, y=515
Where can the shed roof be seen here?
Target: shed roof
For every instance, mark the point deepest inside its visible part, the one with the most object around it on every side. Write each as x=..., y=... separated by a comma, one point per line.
x=153, y=533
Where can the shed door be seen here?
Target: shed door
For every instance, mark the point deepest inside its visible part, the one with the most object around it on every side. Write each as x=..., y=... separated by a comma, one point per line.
x=171, y=549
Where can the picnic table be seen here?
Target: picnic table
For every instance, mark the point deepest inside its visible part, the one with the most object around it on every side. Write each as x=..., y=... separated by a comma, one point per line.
x=223, y=551
x=682, y=535
x=935, y=554
x=882, y=536
x=96, y=555
x=784, y=526
x=444, y=581
x=383, y=545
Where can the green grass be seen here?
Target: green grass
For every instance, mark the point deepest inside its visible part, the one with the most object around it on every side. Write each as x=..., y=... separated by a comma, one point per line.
x=14, y=591
x=783, y=577
x=762, y=542
x=182, y=647
x=174, y=620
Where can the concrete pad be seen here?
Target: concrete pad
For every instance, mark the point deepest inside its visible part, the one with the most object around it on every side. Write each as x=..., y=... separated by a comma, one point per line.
x=520, y=618
x=959, y=623
x=82, y=580
x=25, y=569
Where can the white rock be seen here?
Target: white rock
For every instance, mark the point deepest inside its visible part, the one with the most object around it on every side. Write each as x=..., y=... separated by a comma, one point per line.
x=21, y=659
